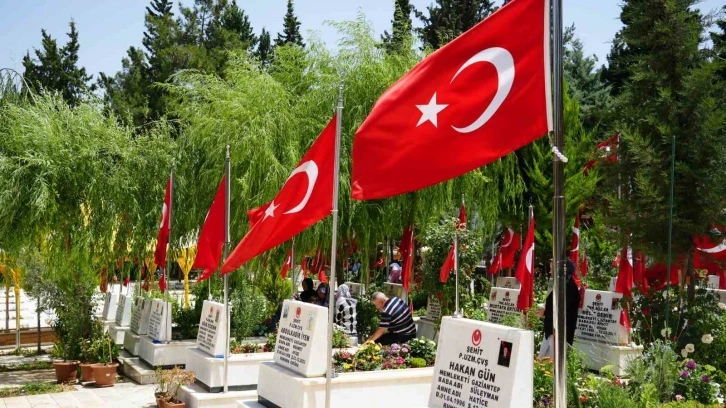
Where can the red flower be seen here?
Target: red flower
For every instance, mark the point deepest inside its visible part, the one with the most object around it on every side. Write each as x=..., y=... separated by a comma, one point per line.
x=440, y=295
x=646, y=311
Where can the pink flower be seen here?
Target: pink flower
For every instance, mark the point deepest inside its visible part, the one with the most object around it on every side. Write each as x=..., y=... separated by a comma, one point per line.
x=400, y=360
x=679, y=397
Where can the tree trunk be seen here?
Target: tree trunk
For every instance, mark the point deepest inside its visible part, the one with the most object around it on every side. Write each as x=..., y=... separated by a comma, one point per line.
x=38, y=309
x=691, y=273
x=7, y=303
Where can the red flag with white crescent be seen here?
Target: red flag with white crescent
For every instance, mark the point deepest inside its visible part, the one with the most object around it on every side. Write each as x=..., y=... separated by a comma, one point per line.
x=211, y=236
x=447, y=267
x=163, y=238
x=461, y=107
x=407, y=251
x=575, y=249
x=304, y=199
x=624, y=283
x=525, y=270
x=509, y=247
x=287, y=265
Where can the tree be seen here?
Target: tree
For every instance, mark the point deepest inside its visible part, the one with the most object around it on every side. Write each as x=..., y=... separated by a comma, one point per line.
x=264, y=48
x=56, y=69
x=448, y=19
x=671, y=91
x=400, y=34
x=585, y=84
x=290, y=29
x=719, y=44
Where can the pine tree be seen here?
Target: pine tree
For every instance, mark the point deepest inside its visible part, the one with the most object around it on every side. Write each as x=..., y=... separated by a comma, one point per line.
x=400, y=34
x=719, y=44
x=448, y=19
x=290, y=29
x=264, y=48
x=671, y=90
x=56, y=69
x=584, y=80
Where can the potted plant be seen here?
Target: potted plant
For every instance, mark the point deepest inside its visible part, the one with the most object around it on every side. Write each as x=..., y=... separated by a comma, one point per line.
x=66, y=369
x=91, y=352
x=105, y=373
x=168, y=383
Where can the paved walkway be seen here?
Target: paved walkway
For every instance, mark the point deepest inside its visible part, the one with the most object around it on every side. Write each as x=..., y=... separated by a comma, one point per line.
x=124, y=395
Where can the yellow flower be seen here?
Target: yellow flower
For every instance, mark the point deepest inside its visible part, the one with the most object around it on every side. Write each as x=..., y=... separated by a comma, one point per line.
x=347, y=366
x=548, y=374
x=376, y=358
x=378, y=348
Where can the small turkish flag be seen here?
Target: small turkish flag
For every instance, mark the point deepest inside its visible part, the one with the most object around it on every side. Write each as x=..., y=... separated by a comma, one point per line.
x=624, y=283
x=407, y=250
x=575, y=249
x=304, y=266
x=605, y=151
x=583, y=265
x=321, y=276
x=511, y=243
x=211, y=236
x=525, y=270
x=379, y=263
x=496, y=264
x=163, y=237
x=447, y=267
x=639, y=273
x=475, y=100
x=127, y=279
x=624, y=319
x=287, y=266
x=462, y=217
x=305, y=198
x=162, y=282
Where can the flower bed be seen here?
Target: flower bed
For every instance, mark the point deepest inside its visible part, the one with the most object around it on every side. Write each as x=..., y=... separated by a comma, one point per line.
x=417, y=353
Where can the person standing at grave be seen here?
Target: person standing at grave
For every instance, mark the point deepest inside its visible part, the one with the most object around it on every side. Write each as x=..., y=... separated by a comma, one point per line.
x=396, y=324
x=345, y=310
x=308, y=292
x=394, y=274
x=572, y=298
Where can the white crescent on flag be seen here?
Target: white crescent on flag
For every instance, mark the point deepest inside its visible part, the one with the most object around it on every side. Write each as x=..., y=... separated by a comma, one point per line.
x=718, y=248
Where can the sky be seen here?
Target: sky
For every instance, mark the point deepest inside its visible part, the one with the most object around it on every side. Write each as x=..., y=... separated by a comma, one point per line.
x=108, y=27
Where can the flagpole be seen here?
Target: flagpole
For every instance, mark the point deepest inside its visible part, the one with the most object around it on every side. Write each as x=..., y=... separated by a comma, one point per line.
x=292, y=266
x=457, y=313
x=168, y=252
x=333, y=252
x=670, y=227
x=226, y=276
x=558, y=219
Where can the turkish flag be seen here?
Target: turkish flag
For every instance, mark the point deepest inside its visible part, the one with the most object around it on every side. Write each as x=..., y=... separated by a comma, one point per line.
x=475, y=100
x=511, y=243
x=462, y=217
x=126, y=281
x=605, y=151
x=321, y=276
x=710, y=253
x=407, y=250
x=639, y=273
x=162, y=282
x=256, y=214
x=525, y=269
x=624, y=319
x=575, y=249
x=304, y=266
x=211, y=237
x=496, y=264
x=305, y=198
x=447, y=267
x=287, y=265
x=379, y=263
x=624, y=283
x=163, y=239
x=583, y=265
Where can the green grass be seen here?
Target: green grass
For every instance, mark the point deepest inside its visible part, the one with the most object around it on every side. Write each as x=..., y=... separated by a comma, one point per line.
x=25, y=352
x=35, y=365
x=35, y=388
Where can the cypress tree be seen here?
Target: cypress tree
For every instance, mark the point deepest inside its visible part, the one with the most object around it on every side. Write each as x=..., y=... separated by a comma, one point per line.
x=264, y=48
x=397, y=40
x=290, y=29
x=671, y=90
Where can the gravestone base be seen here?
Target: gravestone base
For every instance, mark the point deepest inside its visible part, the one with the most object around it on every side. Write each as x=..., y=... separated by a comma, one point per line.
x=118, y=333
x=107, y=324
x=427, y=328
x=164, y=354
x=243, y=370
x=131, y=343
x=137, y=370
x=599, y=355
x=196, y=397
x=281, y=388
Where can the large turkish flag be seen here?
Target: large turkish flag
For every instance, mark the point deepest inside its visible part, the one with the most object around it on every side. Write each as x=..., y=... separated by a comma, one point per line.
x=211, y=237
x=305, y=198
x=480, y=97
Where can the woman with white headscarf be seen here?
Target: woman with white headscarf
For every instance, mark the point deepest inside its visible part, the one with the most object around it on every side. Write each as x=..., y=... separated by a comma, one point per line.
x=345, y=310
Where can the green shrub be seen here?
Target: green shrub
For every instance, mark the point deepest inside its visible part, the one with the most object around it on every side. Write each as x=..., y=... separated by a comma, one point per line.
x=367, y=317
x=613, y=396
x=422, y=348
x=658, y=366
x=416, y=362
x=186, y=321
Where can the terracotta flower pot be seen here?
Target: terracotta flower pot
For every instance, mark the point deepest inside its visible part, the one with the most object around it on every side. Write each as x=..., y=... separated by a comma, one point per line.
x=86, y=372
x=66, y=371
x=104, y=374
x=164, y=404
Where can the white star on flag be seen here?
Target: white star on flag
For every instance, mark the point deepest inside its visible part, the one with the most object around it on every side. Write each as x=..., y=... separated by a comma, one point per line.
x=270, y=211
x=429, y=112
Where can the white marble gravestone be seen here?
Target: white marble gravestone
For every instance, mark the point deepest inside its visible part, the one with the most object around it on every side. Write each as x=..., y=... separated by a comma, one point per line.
x=598, y=318
x=301, y=338
x=212, y=329
x=160, y=321
x=109, y=306
x=501, y=303
x=508, y=283
x=123, y=310
x=140, y=316
x=433, y=309
x=481, y=365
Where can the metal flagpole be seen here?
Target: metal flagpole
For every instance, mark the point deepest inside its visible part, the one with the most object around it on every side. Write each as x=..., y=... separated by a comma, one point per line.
x=558, y=219
x=457, y=312
x=670, y=227
x=333, y=252
x=292, y=266
x=168, y=252
x=226, y=277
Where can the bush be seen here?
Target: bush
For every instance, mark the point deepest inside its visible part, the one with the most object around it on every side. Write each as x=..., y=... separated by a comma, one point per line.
x=614, y=396
x=367, y=317
x=340, y=339
x=422, y=348
x=185, y=321
x=658, y=366
x=416, y=362
x=249, y=309
x=694, y=382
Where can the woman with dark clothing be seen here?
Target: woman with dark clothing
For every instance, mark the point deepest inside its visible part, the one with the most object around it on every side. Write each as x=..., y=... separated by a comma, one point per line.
x=572, y=300
x=308, y=292
x=323, y=295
